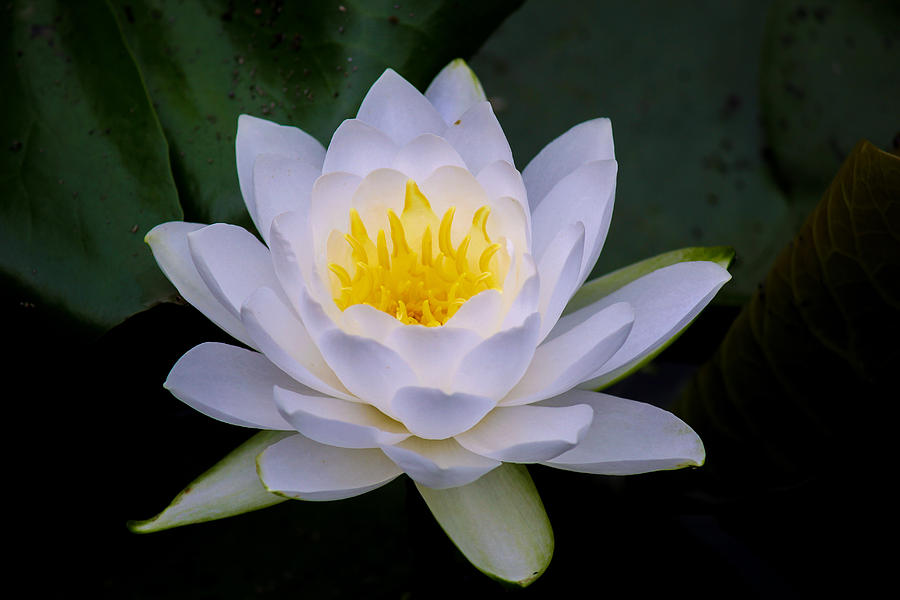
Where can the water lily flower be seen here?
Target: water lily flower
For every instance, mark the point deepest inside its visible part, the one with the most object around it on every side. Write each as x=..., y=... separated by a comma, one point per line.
x=403, y=314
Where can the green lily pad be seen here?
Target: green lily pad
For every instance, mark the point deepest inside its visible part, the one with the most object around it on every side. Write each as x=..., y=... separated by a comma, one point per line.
x=829, y=77
x=784, y=397
x=84, y=171
x=682, y=88
x=304, y=64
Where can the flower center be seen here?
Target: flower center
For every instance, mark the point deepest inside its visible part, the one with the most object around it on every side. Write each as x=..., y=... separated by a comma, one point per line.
x=418, y=277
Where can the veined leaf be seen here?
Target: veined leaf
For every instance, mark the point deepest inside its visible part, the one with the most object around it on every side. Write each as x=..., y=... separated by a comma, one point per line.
x=784, y=388
x=84, y=173
x=304, y=64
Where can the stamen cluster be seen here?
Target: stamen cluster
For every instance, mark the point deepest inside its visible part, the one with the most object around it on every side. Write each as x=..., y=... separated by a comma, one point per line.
x=417, y=277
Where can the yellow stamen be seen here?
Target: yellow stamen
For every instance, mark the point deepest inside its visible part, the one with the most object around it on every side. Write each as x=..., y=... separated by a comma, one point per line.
x=423, y=287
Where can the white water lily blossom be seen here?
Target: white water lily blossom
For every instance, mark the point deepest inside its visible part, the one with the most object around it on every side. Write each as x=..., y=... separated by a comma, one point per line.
x=402, y=313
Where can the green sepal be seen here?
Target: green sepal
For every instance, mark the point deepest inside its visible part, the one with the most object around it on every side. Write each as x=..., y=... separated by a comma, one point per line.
x=498, y=522
x=231, y=487
x=602, y=286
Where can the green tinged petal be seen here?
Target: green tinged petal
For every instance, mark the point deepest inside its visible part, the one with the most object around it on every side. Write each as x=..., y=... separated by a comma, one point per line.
x=596, y=289
x=230, y=488
x=498, y=523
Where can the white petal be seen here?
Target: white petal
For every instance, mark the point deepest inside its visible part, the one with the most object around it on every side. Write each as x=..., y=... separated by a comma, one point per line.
x=501, y=181
x=493, y=367
x=584, y=195
x=230, y=384
x=525, y=434
x=528, y=296
x=564, y=361
x=586, y=142
x=314, y=317
x=508, y=220
x=371, y=371
x=398, y=109
x=434, y=353
x=480, y=313
x=439, y=464
x=478, y=138
x=368, y=321
x=232, y=262
x=338, y=422
x=281, y=336
x=357, y=147
x=169, y=244
x=454, y=186
x=664, y=302
x=330, y=203
x=258, y=136
x=500, y=178
x=455, y=90
x=423, y=155
x=305, y=469
x=292, y=253
x=281, y=184
x=434, y=415
x=628, y=437
x=559, y=269
x=380, y=191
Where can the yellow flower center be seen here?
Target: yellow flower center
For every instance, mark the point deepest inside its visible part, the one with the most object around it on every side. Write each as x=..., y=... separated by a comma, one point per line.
x=418, y=277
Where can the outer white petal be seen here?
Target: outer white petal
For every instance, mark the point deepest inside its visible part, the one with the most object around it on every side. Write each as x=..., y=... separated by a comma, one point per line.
x=434, y=353
x=298, y=467
x=281, y=184
x=281, y=336
x=493, y=367
x=357, y=147
x=169, y=244
x=398, y=109
x=628, y=437
x=559, y=269
x=230, y=384
x=525, y=434
x=338, y=422
x=455, y=90
x=232, y=262
x=439, y=464
x=664, y=302
x=258, y=136
x=584, y=195
x=564, y=361
x=586, y=142
x=478, y=138
x=434, y=415
x=423, y=155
